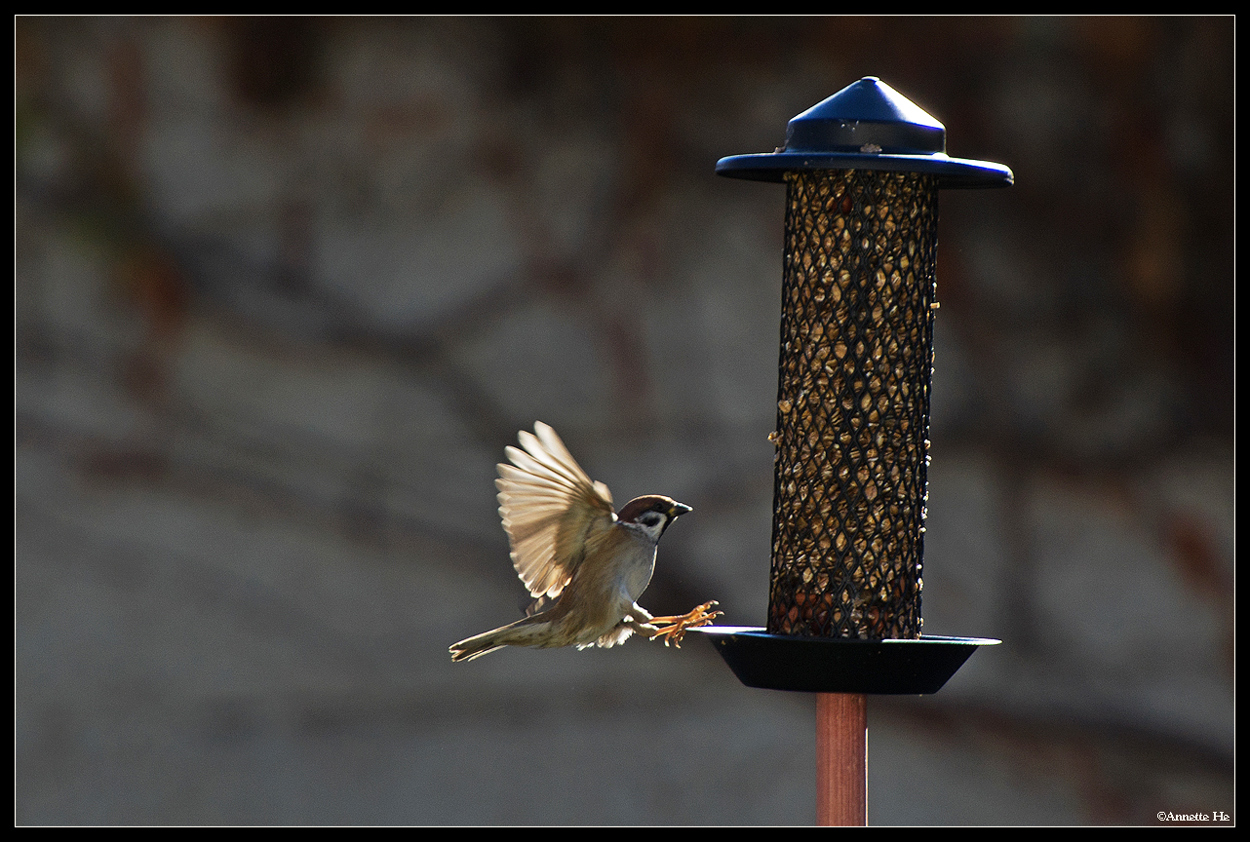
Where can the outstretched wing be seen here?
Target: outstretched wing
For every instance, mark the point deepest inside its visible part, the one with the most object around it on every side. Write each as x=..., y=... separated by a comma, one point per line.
x=549, y=509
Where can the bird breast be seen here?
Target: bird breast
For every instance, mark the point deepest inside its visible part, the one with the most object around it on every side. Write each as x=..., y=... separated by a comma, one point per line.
x=639, y=564
x=618, y=565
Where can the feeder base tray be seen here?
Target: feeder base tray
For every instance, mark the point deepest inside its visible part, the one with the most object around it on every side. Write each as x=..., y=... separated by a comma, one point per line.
x=834, y=665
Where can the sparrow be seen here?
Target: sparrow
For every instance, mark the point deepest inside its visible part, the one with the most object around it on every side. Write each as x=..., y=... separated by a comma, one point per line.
x=585, y=563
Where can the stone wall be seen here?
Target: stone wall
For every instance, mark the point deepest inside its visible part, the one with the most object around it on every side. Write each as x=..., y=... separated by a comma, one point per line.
x=286, y=288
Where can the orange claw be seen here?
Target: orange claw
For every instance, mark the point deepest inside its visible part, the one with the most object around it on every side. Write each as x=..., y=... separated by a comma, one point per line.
x=678, y=624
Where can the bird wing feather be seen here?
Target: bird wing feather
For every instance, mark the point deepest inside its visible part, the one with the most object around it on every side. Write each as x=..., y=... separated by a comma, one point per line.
x=550, y=509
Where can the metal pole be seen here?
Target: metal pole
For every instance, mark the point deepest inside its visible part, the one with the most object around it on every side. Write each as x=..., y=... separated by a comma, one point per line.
x=841, y=759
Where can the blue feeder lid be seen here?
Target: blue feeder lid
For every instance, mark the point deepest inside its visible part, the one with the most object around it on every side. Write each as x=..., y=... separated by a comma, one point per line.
x=866, y=126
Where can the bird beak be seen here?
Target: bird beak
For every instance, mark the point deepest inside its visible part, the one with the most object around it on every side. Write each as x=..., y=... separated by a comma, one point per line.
x=678, y=509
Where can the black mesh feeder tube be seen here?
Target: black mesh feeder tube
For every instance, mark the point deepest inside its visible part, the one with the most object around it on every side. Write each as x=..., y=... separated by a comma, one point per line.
x=862, y=171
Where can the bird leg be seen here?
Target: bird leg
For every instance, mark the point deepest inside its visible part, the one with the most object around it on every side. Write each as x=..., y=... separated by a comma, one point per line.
x=673, y=628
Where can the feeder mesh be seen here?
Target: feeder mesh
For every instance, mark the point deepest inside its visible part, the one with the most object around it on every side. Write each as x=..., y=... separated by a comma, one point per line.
x=853, y=404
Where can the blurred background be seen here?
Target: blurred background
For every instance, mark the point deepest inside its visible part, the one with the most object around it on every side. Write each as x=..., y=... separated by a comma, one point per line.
x=285, y=288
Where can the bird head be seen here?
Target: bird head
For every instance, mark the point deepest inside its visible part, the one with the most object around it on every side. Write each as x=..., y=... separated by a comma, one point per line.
x=651, y=514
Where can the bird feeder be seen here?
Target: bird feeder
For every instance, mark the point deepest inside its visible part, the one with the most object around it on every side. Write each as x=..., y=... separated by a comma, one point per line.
x=862, y=171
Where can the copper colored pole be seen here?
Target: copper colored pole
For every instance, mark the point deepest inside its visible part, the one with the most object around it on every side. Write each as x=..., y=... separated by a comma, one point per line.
x=841, y=759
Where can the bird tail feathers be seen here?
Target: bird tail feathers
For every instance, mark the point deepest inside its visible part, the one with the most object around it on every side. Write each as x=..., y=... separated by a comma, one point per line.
x=523, y=632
